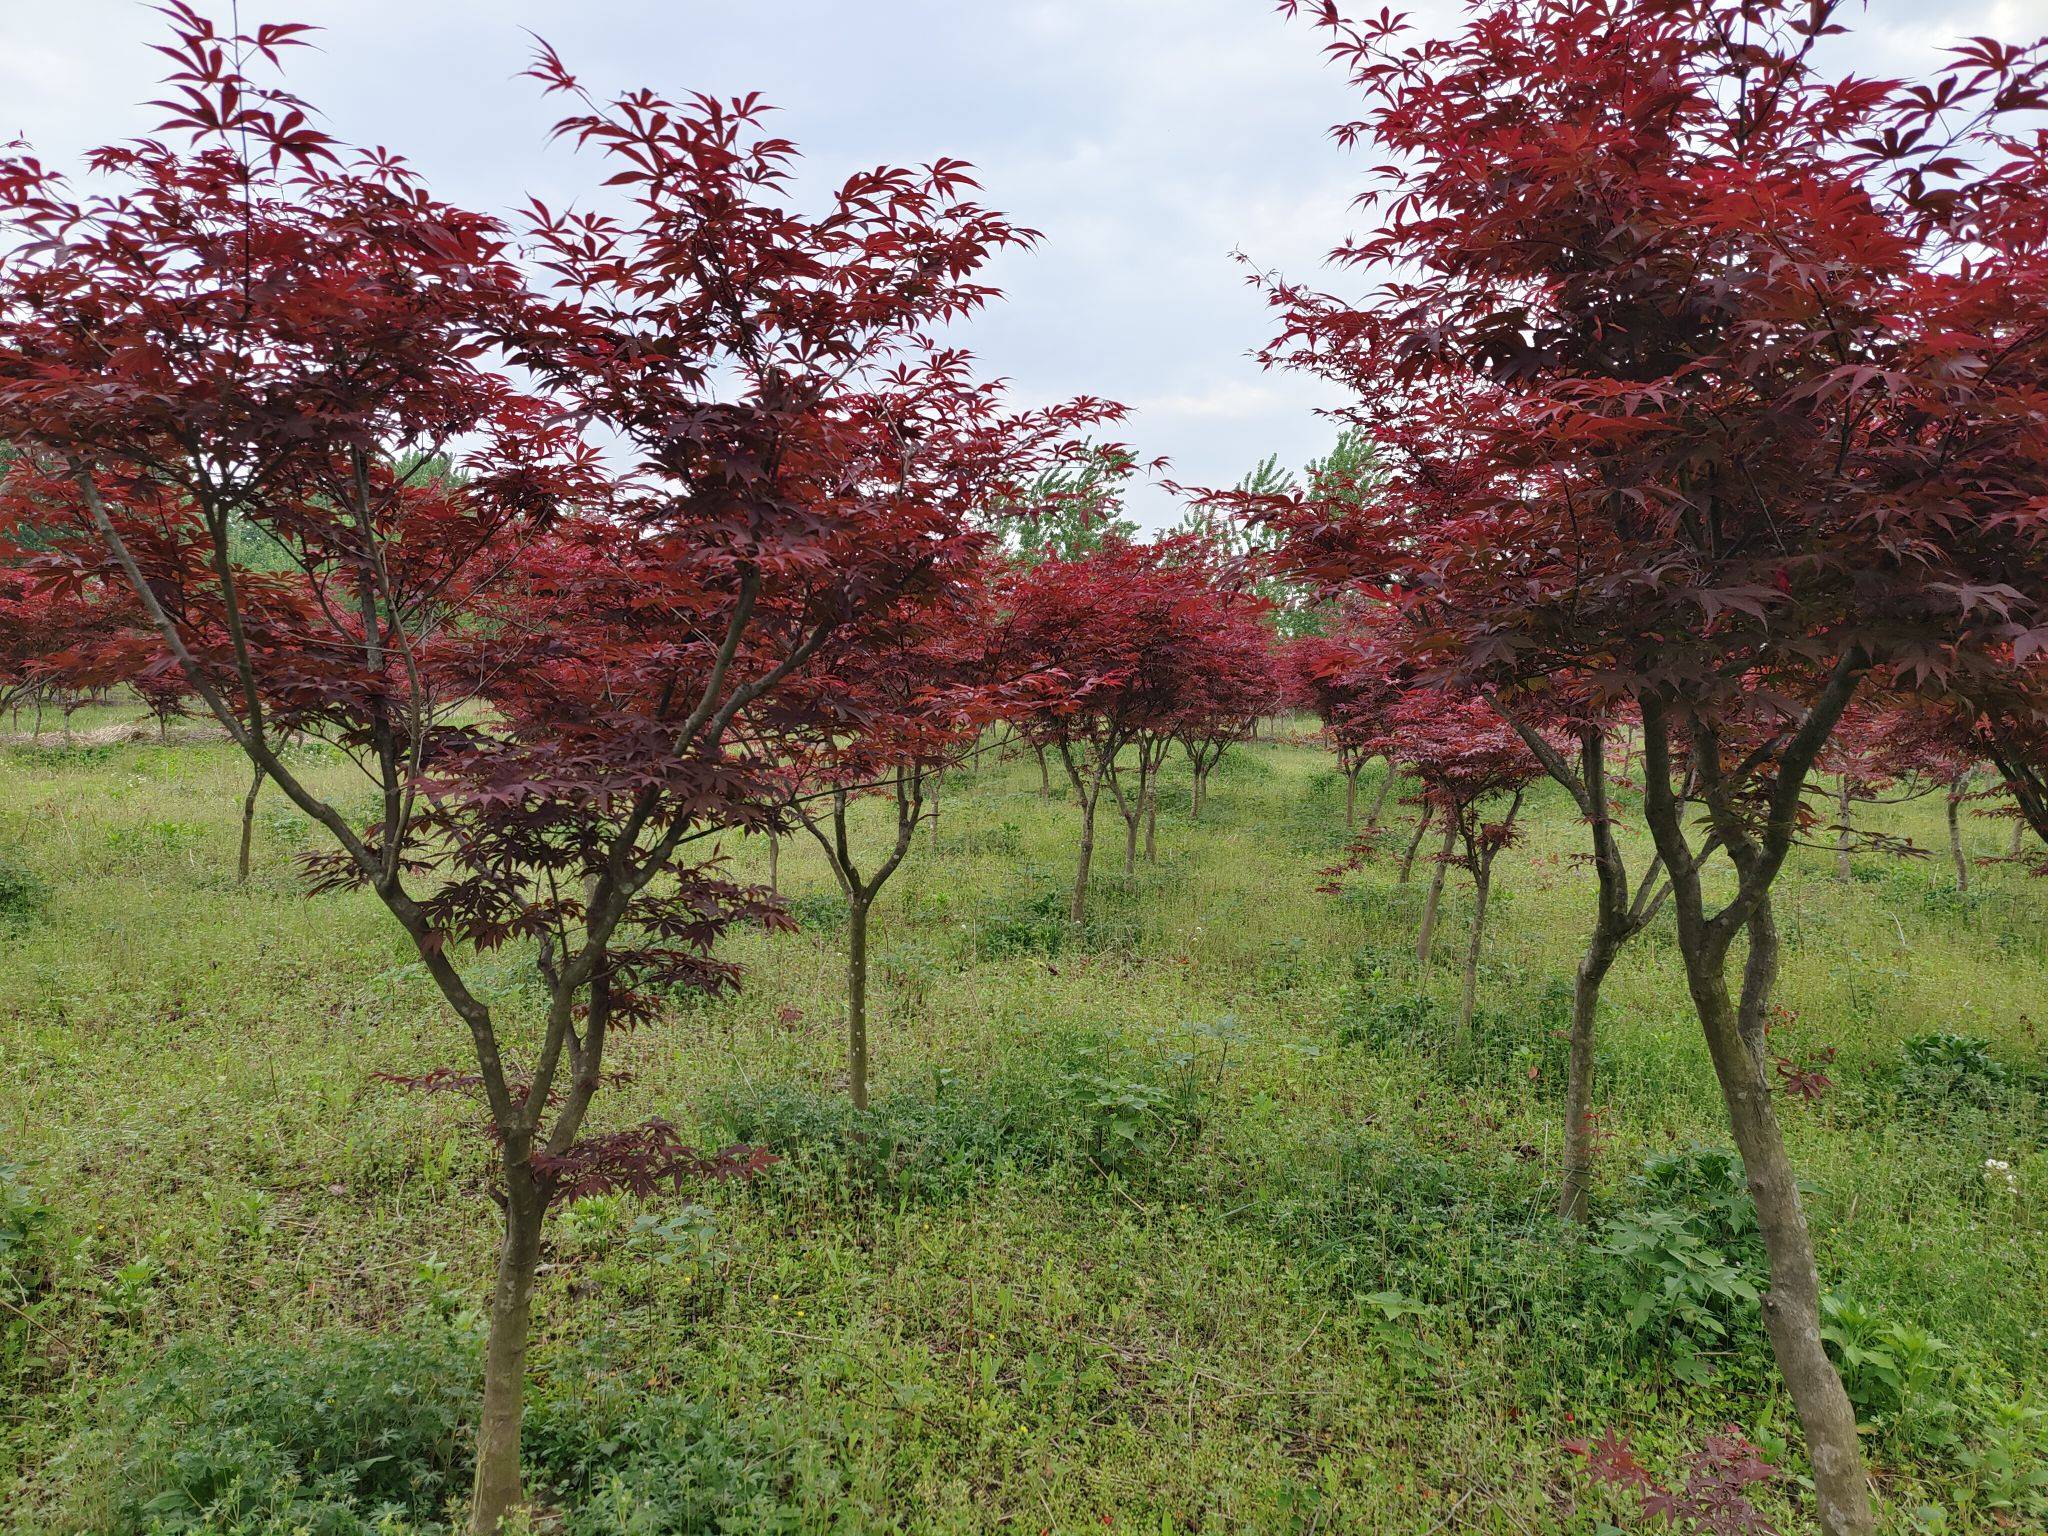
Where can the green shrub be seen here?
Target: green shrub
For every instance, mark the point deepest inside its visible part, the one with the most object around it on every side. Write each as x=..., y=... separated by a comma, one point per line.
x=907, y=1146
x=912, y=972
x=1514, y=1046
x=28, y=1267
x=22, y=895
x=817, y=910
x=24, y=1238
x=1689, y=1260
x=274, y=1440
x=1902, y=1379
x=1041, y=926
x=1138, y=1112
x=1004, y=840
x=617, y=1460
x=1038, y=927
x=1396, y=1220
x=1944, y=1071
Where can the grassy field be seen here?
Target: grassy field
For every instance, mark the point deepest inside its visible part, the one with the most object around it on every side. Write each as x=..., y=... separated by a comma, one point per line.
x=1195, y=1220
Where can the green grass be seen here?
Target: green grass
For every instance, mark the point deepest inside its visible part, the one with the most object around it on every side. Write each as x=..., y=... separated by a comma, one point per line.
x=1183, y=1223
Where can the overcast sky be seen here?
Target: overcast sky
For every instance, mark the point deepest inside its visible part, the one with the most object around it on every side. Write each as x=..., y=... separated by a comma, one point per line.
x=1147, y=139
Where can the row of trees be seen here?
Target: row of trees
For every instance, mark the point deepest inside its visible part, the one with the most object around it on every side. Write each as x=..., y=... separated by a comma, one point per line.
x=593, y=540
x=1697, y=407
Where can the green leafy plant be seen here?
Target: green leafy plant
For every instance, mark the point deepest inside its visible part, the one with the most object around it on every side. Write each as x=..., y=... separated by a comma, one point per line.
x=1901, y=1377
x=22, y=895
x=1944, y=1071
x=239, y=1441
x=1689, y=1258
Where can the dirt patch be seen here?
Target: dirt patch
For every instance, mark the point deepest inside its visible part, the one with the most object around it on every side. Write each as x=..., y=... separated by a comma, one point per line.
x=120, y=734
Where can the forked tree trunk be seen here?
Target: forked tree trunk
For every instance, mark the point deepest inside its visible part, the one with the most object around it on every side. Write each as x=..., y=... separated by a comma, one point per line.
x=1957, y=788
x=1132, y=815
x=248, y=826
x=497, y=1491
x=857, y=999
x=1842, y=833
x=1436, y=892
x=860, y=892
x=1735, y=1042
x=1414, y=844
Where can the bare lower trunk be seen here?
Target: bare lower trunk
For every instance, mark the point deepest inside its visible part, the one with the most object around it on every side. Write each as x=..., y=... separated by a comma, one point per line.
x=1955, y=834
x=1791, y=1306
x=1044, y=775
x=2019, y=832
x=857, y=1001
x=1842, y=836
x=1735, y=1041
x=1350, y=797
x=1436, y=892
x=774, y=864
x=1414, y=843
x=1078, y=908
x=1379, y=801
x=1132, y=816
x=1152, y=825
x=1468, y=996
x=248, y=826
x=1578, y=1086
x=497, y=1493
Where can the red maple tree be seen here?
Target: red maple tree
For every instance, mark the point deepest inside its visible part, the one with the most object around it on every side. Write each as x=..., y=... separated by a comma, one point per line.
x=563, y=669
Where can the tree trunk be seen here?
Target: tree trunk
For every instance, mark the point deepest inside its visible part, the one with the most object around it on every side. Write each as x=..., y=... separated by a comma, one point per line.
x=1351, y=797
x=497, y=1491
x=1468, y=996
x=1842, y=828
x=1132, y=816
x=1078, y=909
x=248, y=826
x=2019, y=832
x=1735, y=1041
x=1152, y=824
x=1044, y=775
x=1379, y=801
x=857, y=1000
x=1578, y=1088
x=1436, y=892
x=1791, y=1305
x=933, y=828
x=1956, y=789
x=1414, y=843
x=774, y=864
